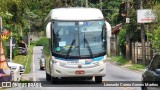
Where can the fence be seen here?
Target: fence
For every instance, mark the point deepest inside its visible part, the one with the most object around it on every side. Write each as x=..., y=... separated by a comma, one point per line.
x=137, y=53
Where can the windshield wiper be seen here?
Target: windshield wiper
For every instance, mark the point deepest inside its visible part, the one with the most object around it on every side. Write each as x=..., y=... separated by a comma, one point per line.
x=89, y=48
x=56, y=37
x=69, y=50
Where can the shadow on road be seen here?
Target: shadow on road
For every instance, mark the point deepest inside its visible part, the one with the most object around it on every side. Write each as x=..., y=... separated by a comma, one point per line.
x=70, y=82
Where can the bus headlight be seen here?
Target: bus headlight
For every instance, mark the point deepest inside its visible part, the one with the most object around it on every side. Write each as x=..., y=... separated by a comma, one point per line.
x=100, y=62
x=59, y=63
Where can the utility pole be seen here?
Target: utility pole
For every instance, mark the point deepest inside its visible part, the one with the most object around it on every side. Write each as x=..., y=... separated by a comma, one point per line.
x=143, y=38
x=29, y=33
x=81, y=3
x=128, y=55
x=86, y=3
x=11, y=48
x=66, y=3
x=100, y=4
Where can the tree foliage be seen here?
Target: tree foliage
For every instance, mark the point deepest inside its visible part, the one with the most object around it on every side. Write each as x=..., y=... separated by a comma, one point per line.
x=28, y=15
x=19, y=16
x=122, y=40
x=154, y=34
x=16, y=14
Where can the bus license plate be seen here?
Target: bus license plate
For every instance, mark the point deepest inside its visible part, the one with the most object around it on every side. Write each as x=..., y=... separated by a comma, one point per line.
x=79, y=72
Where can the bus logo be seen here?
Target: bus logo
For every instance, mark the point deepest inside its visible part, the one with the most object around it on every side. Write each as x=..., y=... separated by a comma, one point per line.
x=79, y=66
x=88, y=61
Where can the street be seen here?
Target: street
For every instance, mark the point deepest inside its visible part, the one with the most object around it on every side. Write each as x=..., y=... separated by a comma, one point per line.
x=114, y=73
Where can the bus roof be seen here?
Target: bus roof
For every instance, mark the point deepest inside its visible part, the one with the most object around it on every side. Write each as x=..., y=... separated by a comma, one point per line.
x=75, y=14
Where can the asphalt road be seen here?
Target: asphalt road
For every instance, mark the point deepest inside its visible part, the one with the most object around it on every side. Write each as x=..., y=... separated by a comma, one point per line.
x=114, y=74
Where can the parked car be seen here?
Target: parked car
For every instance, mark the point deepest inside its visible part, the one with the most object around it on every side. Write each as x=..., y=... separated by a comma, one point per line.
x=152, y=74
x=42, y=63
x=22, y=49
x=14, y=65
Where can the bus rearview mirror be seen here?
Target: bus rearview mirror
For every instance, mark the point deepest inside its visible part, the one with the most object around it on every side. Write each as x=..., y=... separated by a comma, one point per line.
x=48, y=30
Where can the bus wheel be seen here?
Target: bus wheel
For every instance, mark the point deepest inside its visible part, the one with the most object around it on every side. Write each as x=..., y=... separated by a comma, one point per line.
x=41, y=68
x=98, y=79
x=54, y=80
x=48, y=77
x=89, y=78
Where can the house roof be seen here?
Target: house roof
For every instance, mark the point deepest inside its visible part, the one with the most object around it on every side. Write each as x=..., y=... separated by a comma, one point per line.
x=116, y=28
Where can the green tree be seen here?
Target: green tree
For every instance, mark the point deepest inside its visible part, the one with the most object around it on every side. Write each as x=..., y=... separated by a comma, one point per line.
x=154, y=35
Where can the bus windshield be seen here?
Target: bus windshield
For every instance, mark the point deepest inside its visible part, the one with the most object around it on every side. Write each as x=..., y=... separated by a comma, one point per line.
x=78, y=38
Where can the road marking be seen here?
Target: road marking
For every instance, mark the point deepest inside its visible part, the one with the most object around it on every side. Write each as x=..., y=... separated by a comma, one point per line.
x=27, y=61
x=33, y=67
x=127, y=88
x=34, y=77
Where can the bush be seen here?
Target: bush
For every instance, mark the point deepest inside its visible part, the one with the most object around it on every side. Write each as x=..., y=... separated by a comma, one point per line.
x=136, y=67
x=4, y=46
x=33, y=43
x=40, y=42
x=15, y=51
x=120, y=60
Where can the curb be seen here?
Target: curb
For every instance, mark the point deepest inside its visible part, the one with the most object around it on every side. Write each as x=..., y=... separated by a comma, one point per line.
x=26, y=77
x=115, y=64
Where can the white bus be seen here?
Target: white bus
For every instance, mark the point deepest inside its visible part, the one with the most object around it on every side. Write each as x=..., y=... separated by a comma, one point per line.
x=77, y=44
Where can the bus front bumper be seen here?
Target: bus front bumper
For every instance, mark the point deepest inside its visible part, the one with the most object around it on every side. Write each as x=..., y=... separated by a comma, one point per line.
x=59, y=71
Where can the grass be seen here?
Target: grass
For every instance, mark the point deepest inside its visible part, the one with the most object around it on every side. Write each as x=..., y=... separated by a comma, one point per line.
x=119, y=60
x=25, y=60
x=122, y=62
x=30, y=53
x=20, y=59
x=136, y=67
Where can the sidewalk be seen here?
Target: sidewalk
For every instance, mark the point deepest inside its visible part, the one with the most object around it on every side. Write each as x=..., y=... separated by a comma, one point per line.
x=26, y=77
x=125, y=66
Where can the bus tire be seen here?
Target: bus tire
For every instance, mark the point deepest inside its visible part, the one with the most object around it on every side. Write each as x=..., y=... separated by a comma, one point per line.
x=54, y=80
x=48, y=77
x=40, y=68
x=89, y=78
x=98, y=79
